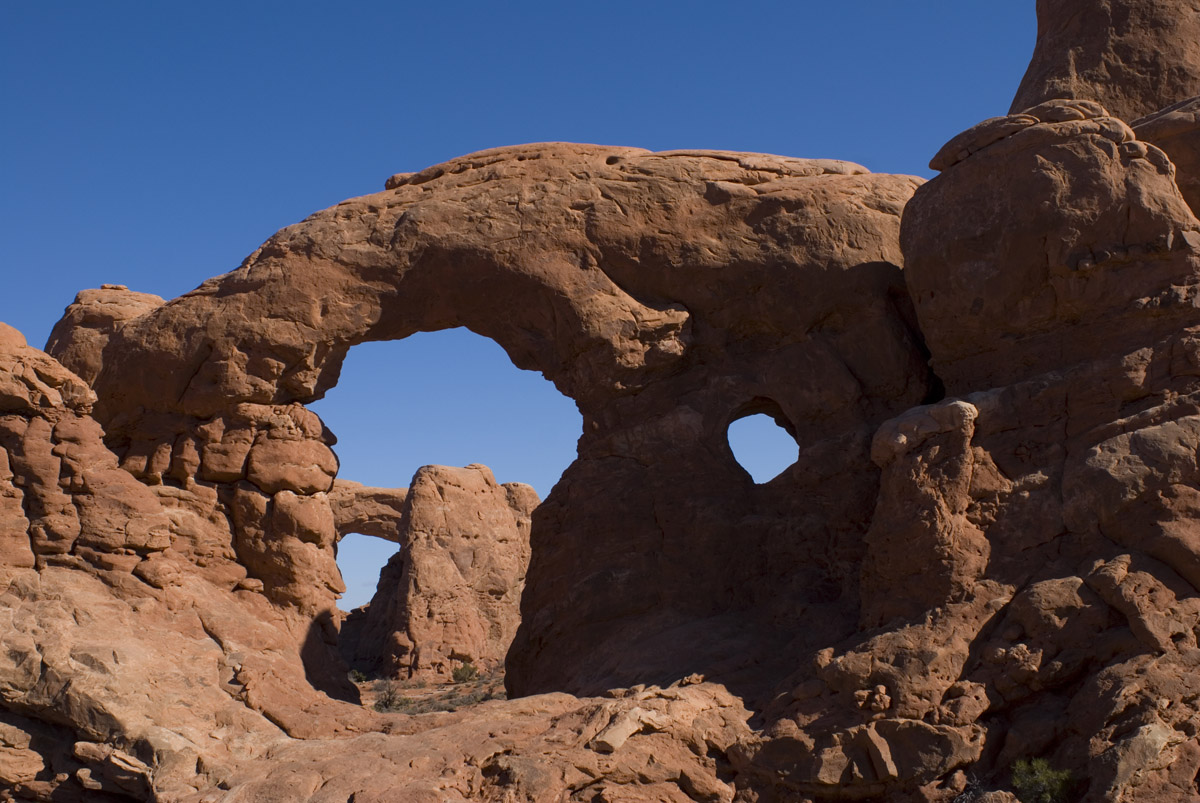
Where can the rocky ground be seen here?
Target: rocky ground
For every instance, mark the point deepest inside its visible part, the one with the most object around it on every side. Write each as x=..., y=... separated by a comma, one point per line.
x=421, y=697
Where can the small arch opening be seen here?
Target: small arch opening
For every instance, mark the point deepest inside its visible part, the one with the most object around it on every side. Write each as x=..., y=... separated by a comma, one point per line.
x=360, y=559
x=761, y=443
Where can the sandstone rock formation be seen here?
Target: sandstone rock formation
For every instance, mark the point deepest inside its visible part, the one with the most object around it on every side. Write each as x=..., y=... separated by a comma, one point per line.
x=369, y=511
x=660, y=557
x=1176, y=129
x=138, y=668
x=1132, y=56
x=620, y=275
x=1047, y=282
x=79, y=338
x=985, y=551
x=139, y=659
x=451, y=595
x=635, y=746
x=1055, y=484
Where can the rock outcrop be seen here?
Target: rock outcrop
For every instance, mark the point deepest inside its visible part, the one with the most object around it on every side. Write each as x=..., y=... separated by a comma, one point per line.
x=1055, y=484
x=79, y=338
x=369, y=511
x=1029, y=279
x=635, y=746
x=451, y=595
x=659, y=558
x=1133, y=57
x=1176, y=129
x=140, y=661
x=620, y=274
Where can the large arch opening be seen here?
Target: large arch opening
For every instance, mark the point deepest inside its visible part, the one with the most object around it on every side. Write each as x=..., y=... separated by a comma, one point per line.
x=448, y=398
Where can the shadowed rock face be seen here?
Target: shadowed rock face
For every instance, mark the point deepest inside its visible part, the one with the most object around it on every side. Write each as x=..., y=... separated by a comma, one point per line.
x=1176, y=129
x=1132, y=56
x=1029, y=584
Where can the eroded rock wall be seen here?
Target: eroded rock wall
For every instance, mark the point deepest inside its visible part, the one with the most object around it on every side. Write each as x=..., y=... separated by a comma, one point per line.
x=1176, y=129
x=139, y=662
x=1030, y=562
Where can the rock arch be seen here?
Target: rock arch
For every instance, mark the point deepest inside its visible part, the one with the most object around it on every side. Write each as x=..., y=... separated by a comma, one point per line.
x=658, y=290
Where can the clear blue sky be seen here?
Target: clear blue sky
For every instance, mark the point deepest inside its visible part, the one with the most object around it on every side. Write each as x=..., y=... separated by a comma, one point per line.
x=156, y=144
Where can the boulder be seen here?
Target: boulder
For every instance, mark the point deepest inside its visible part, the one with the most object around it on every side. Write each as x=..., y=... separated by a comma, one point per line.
x=1070, y=241
x=79, y=338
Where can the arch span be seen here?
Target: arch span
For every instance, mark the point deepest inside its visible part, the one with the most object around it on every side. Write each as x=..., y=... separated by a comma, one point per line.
x=658, y=290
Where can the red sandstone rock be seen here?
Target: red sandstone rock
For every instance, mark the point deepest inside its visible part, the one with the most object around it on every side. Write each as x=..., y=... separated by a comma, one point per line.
x=1132, y=56
x=1058, y=494
x=660, y=591
x=1028, y=279
x=647, y=745
x=124, y=633
x=1176, y=129
x=451, y=594
x=369, y=511
x=626, y=288
x=78, y=340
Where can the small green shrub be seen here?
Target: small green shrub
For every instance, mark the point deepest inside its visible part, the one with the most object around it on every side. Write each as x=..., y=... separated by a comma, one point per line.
x=357, y=676
x=388, y=697
x=1035, y=781
x=465, y=672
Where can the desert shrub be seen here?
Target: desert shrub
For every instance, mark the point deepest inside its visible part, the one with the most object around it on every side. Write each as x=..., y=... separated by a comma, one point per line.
x=972, y=792
x=357, y=676
x=389, y=697
x=465, y=672
x=1035, y=781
